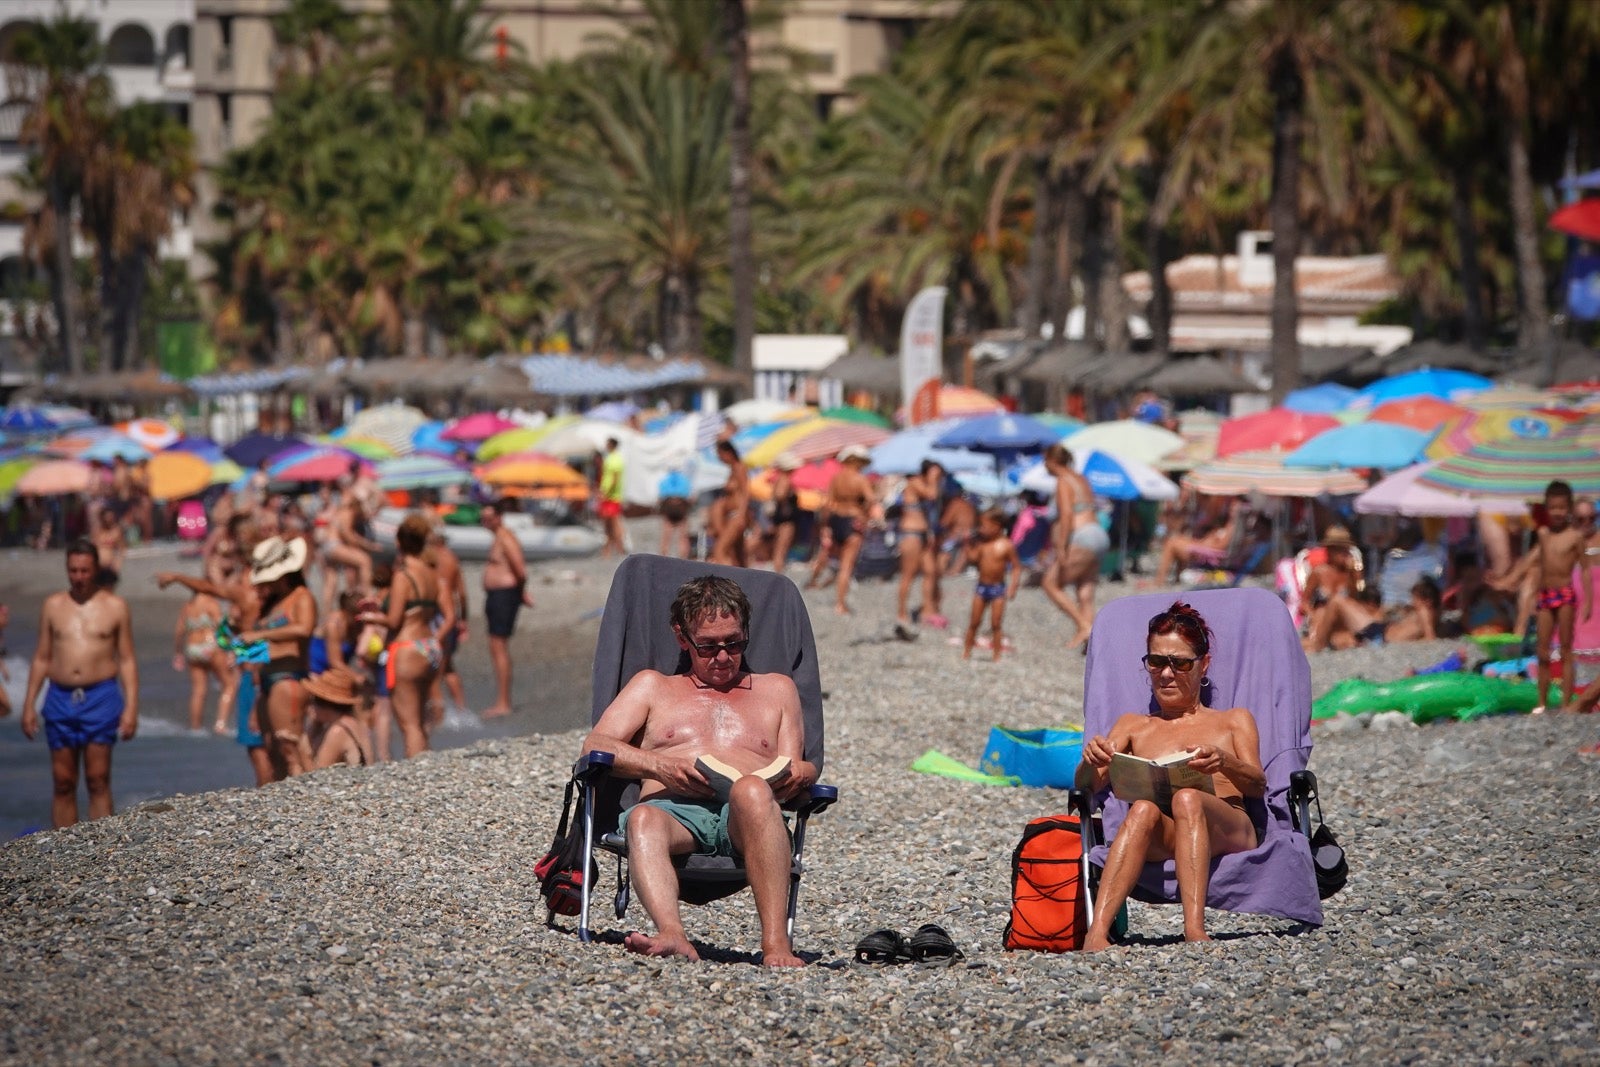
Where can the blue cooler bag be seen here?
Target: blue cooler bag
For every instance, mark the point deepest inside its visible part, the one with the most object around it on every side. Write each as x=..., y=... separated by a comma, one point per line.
x=1041, y=758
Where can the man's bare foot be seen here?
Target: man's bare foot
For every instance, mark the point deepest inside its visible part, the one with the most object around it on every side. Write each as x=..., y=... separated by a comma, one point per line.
x=1094, y=942
x=221, y=729
x=660, y=945
x=841, y=609
x=780, y=957
x=1080, y=640
x=499, y=711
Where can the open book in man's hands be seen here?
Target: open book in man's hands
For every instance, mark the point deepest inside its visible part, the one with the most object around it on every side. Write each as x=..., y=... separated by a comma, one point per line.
x=721, y=776
x=1136, y=778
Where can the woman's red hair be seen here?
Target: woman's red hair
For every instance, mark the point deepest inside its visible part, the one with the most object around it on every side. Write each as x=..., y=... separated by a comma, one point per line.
x=1187, y=623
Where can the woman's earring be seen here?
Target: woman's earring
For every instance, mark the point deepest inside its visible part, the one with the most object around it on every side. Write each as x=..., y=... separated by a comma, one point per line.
x=1205, y=679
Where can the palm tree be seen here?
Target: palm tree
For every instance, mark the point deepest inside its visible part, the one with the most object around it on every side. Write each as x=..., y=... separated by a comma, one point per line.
x=1303, y=60
x=437, y=54
x=741, y=249
x=58, y=69
x=140, y=173
x=320, y=32
x=637, y=203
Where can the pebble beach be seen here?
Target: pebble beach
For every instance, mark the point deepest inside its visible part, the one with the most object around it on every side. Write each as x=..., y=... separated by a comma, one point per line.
x=389, y=914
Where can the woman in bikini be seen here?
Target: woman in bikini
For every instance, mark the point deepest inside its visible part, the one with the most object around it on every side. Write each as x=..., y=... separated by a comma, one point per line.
x=1080, y=542
x=785, y=509
x=918, y=544
x=195, y=641
x=730, y=515
x=415, y=605
x=346, y=548
x=1200, y=826
x=288, y=619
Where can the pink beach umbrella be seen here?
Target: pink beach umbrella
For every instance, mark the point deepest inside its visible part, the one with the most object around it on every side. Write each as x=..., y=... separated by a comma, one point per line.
x=479, y=427
x=55, y=477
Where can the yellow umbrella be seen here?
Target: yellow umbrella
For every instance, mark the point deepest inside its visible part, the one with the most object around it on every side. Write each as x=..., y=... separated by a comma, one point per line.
x=524, y=471
x=522, y=440
x=365, y=447
x=12, y=470
x=225, y=472
x=176, y=475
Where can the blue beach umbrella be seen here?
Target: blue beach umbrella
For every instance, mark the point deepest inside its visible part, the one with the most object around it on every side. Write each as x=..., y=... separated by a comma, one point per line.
x=1324, y=399
x=427, y=438
x=1364, y=444
x=1000, y=433
x=1108, y=476
x=204, y=447
x=114, y=446
x=251, y=449
x=420, y=470
x=1429, y=381
x=904, y=452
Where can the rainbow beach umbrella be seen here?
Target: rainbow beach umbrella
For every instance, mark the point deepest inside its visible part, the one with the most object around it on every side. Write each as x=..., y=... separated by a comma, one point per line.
x=1476, y=427
x=813, y=438
x=1264, y=472
x=1523, y=466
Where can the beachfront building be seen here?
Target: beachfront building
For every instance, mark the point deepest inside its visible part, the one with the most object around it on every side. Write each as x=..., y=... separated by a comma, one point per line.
x=793, y=367
x=147, y=53
x=1223, y=304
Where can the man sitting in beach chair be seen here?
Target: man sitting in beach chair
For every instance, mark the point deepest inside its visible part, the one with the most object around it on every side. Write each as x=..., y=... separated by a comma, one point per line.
x=718, y=747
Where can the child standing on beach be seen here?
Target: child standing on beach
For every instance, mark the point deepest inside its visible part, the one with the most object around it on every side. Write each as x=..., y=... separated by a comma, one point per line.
x=195, y=647
x=1558, y=548
x=994, y=555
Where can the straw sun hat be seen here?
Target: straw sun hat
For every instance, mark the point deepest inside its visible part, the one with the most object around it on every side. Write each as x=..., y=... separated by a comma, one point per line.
x=1337, y=537
x=334, y=686
x=856, y=452
x=274, y=558
x=787, y=461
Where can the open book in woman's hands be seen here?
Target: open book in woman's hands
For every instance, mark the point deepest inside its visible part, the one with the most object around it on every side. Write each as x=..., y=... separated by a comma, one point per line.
x=721, y=776
x=1136, y=778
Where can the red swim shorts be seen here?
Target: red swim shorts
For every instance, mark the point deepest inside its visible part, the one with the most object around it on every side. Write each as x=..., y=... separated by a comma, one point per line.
x=1555, y=599
x=610, y=509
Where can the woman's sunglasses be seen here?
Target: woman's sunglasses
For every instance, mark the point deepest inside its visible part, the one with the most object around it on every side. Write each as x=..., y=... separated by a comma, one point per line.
x=735, y=647
x=1179, y=664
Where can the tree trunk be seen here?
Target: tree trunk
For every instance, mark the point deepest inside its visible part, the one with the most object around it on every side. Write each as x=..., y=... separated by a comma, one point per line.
x=63, y=281
x=1533, y=319
x=1092, y=268
x=1472, y=319
x=1036, y=279
x=741, y=251
x=1288, y=107
x=110, y=302
x=132, y=277
x=1070, y=223
x=1113, y=298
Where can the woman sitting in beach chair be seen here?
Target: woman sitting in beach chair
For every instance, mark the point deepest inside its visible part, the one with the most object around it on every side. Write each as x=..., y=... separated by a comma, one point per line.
x=1240, y=849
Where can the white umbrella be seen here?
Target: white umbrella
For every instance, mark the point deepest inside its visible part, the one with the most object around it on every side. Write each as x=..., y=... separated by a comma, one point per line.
x=1125, y=439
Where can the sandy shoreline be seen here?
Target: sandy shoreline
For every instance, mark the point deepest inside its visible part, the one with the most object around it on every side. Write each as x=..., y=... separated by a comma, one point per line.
x=388, y=915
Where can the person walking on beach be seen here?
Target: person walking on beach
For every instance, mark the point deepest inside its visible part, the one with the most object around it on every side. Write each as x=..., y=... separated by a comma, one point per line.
x=1080, y=542
x=1558, y=549
x=729, y=516
x=505, y=592
x=86, y=655
x=918, y=544
x=416, y=599
x=611, y=499
x=847, y=509
x=452, y=589
x=660, y=725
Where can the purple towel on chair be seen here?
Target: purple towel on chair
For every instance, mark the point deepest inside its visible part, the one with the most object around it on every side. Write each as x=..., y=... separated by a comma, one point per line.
x=1256, y=663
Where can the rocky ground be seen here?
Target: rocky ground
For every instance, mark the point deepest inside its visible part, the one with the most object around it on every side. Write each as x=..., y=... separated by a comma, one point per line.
x=389, y=915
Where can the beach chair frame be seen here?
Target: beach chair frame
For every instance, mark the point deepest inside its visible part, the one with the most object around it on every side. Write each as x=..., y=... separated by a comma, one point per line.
x=1257, y=663
x=636, y=634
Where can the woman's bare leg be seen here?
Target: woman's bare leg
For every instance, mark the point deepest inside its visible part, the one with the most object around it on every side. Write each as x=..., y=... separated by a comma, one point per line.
x=382, y=727
x=412, y=677
x=1203, y=825
x=197, y=695
x=1143, y=837
x=932, y=577
x=782, y=542
x=910, y=564
x=1054, y=587
x=285, y=711
x=847, y=569
x=228, y=678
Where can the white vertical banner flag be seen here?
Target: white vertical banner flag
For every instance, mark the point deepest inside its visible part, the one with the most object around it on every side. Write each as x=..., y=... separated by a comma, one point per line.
x=921, y=362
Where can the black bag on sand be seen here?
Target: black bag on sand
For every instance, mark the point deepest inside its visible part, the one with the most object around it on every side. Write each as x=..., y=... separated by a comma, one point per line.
x=1327, y=855
x=562, y=869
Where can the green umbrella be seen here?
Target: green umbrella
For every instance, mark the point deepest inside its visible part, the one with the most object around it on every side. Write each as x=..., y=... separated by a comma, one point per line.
x=861, y=415
x=12, y=470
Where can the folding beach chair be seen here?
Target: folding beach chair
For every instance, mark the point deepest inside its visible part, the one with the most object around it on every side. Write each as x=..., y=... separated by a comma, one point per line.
x=1256, y=663
x=636, y=634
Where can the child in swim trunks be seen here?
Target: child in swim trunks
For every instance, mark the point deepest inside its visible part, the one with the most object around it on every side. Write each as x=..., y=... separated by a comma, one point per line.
x=1558, y=548
x=994, y=555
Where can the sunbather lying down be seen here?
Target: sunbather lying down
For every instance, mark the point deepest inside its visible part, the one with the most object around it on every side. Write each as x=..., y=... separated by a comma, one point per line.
x=1347, y=621
x=1201, y=825
x=660, y=724
x=1179, y=551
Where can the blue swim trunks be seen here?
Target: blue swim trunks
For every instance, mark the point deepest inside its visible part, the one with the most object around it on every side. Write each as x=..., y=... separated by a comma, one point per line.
x=990, y=591
x=88, y=716
x=243, y=703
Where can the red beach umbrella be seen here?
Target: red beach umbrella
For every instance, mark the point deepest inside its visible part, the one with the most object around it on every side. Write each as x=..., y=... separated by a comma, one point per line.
x=1278, y=429
x=1580, y=220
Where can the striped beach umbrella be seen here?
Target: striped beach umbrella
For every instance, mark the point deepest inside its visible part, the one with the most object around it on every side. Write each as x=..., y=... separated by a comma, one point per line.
x=846, y=413
x=420, y=472
x=1520, y=397
x=1523, y=466
x=959, y=402
x=393, y=424
x=525, y=439
x=318, y=463
x=365, y=447
x=1472, y=427
x=813, y=438
x=1399, y=494
x=1264, y=472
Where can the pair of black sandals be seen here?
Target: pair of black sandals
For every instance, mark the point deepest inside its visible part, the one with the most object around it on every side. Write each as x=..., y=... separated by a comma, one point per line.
x=929, y=946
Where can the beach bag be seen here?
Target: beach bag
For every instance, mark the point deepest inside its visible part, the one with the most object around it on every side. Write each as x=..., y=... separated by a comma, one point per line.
x=562, y=868
x=1049, y=912
x=1041, y=758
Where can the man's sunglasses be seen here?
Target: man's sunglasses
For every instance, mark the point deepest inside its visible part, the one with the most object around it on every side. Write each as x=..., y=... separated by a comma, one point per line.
x=1179, y=664
x=735, y=647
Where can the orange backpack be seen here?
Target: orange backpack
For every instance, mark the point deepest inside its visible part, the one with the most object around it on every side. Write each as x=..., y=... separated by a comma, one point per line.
x=1047, y=905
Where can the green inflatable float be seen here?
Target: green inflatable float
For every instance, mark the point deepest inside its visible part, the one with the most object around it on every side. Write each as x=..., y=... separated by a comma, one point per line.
x=1427, y=697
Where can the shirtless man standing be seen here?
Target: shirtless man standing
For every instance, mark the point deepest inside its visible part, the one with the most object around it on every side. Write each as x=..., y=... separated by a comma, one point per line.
x=346, y=548
x=85, y=650
x=505, y=591
x=659, y=725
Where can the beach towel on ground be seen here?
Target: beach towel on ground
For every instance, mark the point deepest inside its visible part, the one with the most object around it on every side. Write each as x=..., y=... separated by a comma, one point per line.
x=1256, y=663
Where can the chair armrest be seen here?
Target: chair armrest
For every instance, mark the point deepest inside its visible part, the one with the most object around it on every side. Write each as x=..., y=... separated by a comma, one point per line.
x=817, y=800
x=592, y=766
x=1302, y=791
